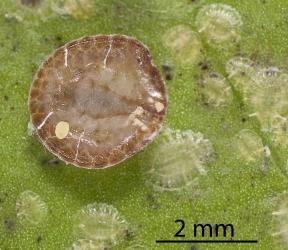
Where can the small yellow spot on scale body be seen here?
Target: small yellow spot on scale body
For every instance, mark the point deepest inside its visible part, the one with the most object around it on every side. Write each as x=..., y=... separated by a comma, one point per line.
x=62, y=129
x=159, y=106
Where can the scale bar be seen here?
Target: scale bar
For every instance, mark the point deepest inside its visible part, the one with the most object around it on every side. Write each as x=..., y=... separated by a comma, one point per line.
x=208, y=241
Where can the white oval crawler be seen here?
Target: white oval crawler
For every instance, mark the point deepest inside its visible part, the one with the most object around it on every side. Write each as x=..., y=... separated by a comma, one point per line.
x=219, y=22
x=179, y=160
x=184, y=43
x=101, y=223
x=215, y=90
x=241, y=71
x=269, y=99
x=30, y=208
x=248, y=146
x=265, y=89
x=239, y=65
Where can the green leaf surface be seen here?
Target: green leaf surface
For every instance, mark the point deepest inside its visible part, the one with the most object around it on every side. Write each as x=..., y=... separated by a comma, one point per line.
x=233, y=191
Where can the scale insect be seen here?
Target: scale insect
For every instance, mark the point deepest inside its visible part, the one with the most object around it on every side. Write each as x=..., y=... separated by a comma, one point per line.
x=97, y=101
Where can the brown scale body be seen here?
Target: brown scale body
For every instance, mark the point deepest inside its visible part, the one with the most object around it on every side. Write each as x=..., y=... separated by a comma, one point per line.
x=107, y=90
